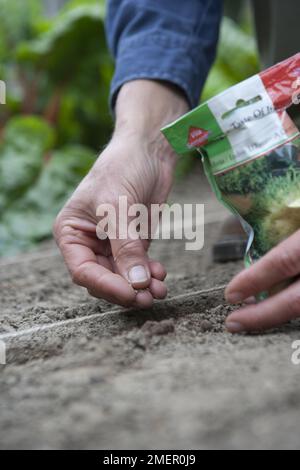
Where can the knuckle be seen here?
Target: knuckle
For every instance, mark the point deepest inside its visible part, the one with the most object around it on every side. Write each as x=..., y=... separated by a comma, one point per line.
x=58, y=225
x=106, y=202
x=251, y=281
x=287, y=263
x=92, y=293
x=294, y=303
x=76, y=277
x=127, y=250
x=79, y=275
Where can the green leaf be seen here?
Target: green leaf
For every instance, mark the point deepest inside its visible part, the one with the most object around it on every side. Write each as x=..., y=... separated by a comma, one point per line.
x=29, y=131
x=30, y=219
x=71, y=4
x=16, y=17
x=59, y=178
x=73, y=36
x=218, y=80
x=237, y=50
x=25, y=141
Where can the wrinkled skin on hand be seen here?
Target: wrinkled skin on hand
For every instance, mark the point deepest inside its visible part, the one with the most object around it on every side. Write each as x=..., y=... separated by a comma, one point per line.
x=104, y=266
x=139, y=164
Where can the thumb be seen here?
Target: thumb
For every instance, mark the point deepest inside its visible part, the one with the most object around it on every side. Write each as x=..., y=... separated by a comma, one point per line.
x=131, y=261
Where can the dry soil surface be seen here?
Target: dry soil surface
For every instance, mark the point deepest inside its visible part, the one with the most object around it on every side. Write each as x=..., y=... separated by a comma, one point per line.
x=84, y=374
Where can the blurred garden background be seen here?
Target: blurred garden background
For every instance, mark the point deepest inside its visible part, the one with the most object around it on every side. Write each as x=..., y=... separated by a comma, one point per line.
x=57, y=69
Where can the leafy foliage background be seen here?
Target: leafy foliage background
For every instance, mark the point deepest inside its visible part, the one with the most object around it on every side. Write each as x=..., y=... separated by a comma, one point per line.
x=56, y=119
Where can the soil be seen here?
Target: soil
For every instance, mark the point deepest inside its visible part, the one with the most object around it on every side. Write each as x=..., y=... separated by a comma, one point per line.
x=84, y=374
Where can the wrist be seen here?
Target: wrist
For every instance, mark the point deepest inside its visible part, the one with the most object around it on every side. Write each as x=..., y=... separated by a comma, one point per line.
x=143, y=107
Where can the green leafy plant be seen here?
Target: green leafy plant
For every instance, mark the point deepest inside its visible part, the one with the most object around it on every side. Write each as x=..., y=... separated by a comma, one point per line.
x=276, y=211
x=248, y=178
x=25, y=141
x=56, y=119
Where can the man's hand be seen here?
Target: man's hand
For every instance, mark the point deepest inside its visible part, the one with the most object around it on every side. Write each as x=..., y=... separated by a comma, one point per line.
x=138, y=164
x=280, y=265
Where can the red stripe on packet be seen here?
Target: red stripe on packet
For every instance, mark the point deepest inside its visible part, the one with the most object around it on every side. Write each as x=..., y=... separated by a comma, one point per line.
x=283, y=82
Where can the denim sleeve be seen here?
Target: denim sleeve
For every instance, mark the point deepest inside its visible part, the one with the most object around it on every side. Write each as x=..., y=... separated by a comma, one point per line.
x=170, y=40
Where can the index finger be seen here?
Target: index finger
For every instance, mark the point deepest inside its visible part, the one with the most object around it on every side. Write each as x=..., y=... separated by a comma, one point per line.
x=87, y=272
x=280, y=264
x=270, y=313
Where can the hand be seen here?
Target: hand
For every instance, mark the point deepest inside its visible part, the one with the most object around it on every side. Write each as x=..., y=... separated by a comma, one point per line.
x=137, y=163
x=280, y=265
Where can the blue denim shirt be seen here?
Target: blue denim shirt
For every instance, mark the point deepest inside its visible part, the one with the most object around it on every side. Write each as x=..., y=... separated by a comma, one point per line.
x=171, y=40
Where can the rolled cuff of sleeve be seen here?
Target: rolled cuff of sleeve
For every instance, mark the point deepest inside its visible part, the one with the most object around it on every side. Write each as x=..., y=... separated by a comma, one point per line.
x=180, y=60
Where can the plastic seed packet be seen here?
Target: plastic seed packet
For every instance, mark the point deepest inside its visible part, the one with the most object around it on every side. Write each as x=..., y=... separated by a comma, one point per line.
x=250, y=149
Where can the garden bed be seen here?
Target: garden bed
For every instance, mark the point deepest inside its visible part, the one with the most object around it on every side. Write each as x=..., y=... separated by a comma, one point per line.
x=81, y=373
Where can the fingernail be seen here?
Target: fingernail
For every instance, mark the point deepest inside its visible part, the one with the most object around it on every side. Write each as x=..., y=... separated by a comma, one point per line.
x=234, y=297
x=234, y=327
x=138, y=274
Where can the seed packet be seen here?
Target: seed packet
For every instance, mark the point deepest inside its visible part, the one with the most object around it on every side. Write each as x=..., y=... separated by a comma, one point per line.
x=250, y=149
